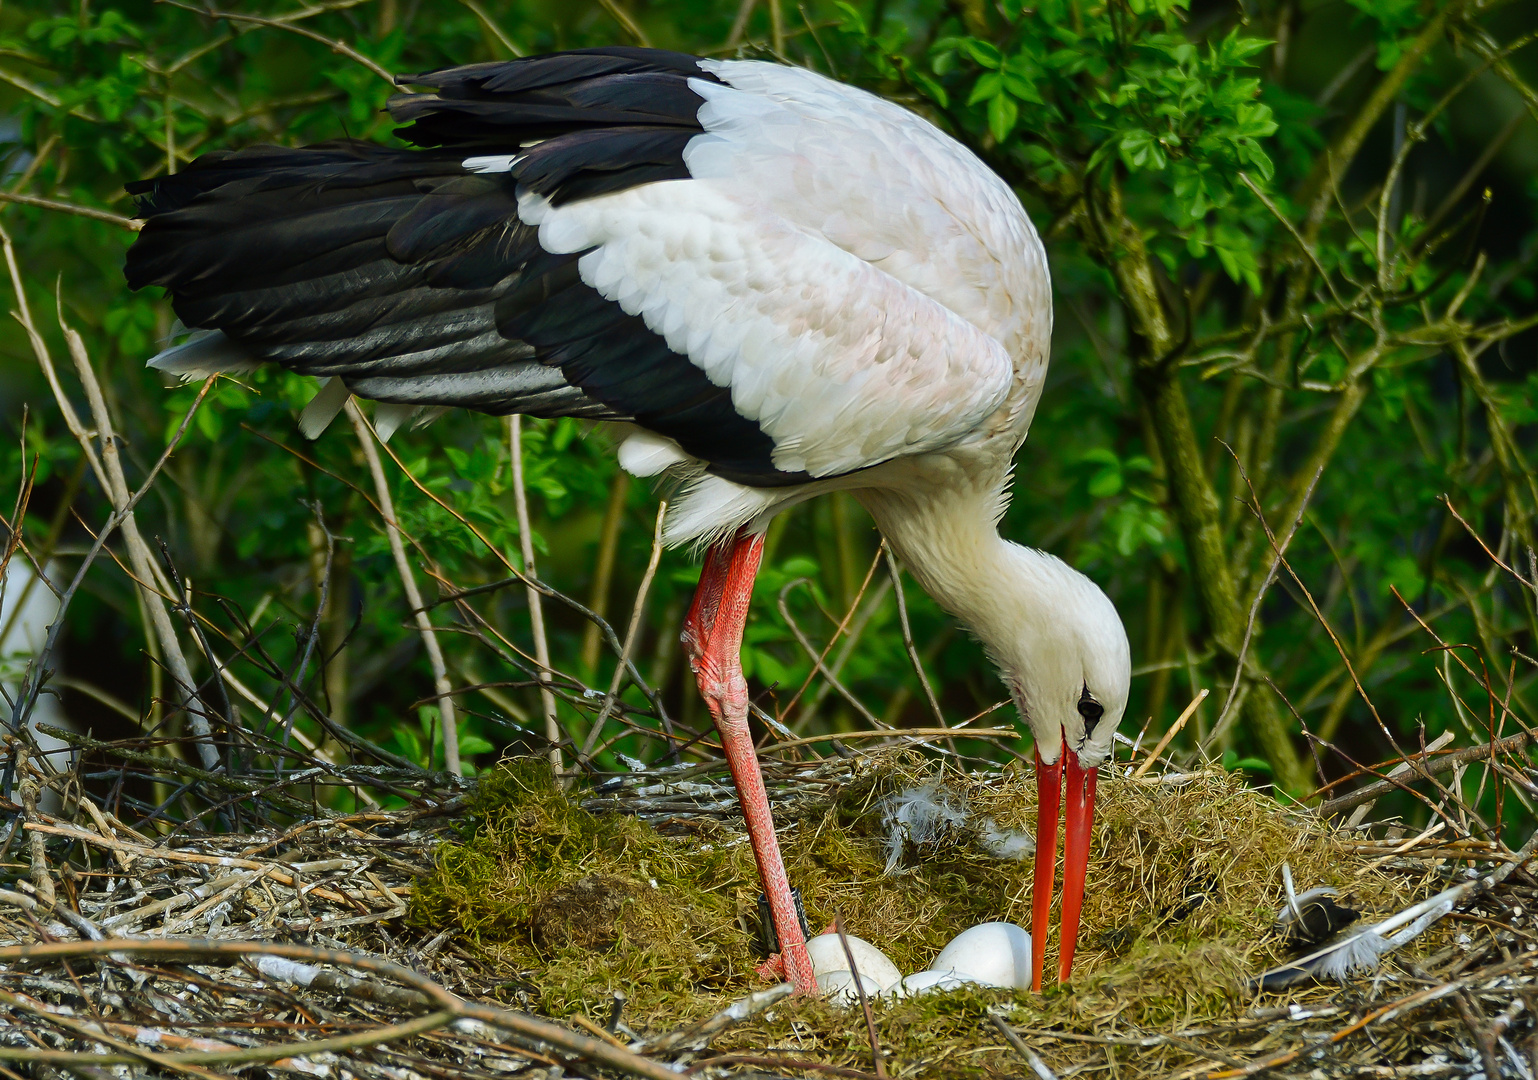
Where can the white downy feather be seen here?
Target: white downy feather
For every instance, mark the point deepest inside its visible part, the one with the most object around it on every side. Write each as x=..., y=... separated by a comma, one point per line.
x=917, y=816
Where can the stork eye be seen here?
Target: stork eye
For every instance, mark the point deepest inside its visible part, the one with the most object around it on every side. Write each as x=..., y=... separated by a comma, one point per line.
x=1090, y=709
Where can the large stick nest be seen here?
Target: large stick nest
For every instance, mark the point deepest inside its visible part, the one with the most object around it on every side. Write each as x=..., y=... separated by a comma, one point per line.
x=609, y=928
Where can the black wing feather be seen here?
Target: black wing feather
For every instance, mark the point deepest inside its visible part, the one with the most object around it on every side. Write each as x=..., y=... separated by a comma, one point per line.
x=414, y=280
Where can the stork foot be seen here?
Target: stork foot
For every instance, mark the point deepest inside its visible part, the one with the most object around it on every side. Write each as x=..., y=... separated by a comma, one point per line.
x=794, y=966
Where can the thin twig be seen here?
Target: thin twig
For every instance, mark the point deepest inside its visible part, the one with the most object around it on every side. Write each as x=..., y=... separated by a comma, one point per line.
x=631, y=632
x=859, y=989
x=913, y=653
x=536, y=608
x=491, y=25
x=340, y=47
x=448, y=1006
x=1180, y=722
x=71, y=208
x=626, y=21
x=450, y=733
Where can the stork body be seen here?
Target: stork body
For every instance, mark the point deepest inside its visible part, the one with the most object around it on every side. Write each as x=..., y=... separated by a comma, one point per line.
x=772, y=284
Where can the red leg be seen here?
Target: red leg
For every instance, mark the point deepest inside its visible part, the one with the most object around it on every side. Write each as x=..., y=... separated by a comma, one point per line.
x=715, y=624
x=707, y=601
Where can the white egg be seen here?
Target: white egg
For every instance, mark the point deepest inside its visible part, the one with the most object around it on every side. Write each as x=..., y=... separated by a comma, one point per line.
x=994, y=953
x=928, y=982
x=827, y=954
x=838, y=987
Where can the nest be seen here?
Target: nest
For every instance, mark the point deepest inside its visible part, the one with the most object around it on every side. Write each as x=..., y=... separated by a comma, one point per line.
x=522, y=928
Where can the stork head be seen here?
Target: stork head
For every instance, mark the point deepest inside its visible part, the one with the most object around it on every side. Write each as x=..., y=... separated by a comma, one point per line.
x=1069, y=668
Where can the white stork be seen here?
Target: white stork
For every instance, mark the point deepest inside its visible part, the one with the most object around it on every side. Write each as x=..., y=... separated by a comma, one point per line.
x=773, y=285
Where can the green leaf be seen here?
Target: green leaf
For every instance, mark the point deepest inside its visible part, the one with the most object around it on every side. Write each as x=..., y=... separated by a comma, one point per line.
x=987, y=86
x=1003, y=113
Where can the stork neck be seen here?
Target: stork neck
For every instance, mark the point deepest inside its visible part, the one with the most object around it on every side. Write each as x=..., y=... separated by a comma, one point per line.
x=948, y=538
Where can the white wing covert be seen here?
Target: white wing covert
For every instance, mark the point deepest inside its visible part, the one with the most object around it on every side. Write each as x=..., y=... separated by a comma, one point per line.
x=841, y=364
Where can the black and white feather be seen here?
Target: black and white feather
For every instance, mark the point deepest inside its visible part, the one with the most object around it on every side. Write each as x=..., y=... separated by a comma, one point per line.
x=777, y=282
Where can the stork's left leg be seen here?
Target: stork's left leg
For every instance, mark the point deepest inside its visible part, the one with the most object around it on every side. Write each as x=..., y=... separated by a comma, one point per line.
x=713, y=636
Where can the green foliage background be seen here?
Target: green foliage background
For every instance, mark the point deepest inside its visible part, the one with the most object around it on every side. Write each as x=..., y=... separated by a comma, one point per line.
x=1243, y=276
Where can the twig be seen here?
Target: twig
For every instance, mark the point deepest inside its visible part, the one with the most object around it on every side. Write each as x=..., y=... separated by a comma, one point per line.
x=698, y=1036
x=1180, y=722
x=901, y=733
x=447, y=1004
x=779, y=1063
x=859, y=989
x=450, y=728
x=1033, y=1059
x=740, y=23
x=1265, y=584
x=517, y=575
x=71, y=208
x=139, y=555
x=631, y=631
x=626, y=21
x=913, y=653
x=490, y=24
x=818, y=659
x=340, y=47
x=536, y=608
x=603, y=566
x=1429, y=766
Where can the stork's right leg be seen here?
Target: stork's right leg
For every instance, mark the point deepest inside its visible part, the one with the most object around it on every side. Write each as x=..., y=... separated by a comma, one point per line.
x=713, y=636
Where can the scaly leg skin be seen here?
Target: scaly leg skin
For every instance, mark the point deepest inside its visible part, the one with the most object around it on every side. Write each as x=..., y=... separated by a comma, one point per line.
x=713, y=637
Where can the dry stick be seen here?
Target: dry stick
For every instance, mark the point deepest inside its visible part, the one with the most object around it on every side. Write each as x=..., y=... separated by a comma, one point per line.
x=109, y=473
x=818, y=659
x=536, y=608
x=697, y=1036
x=818, y=667
x=1458, y=894
x=450, y=734
x=626, y=21
x=630, y=635
x=740, y=24
x=516, y=575
x=527, y=1026
x=28, y=693
x=913, y=653
x=1180, y=722
x=97, y=1033
x=1496, y=559
x=490, y=24
x=774, y=1062
x=1428, y=766
x=1265, y=586
x=145, y=565
x=1033, y=1059
x=70, y=208
x=859, y=989
x=339, y=47
x=917, y=733
x=873, y=601
x=1281, y=558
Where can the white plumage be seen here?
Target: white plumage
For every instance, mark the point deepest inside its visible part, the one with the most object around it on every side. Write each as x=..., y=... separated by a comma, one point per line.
x=856, y=322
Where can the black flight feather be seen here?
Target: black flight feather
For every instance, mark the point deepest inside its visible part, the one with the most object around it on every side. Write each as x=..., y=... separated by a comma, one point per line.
x=411, y=277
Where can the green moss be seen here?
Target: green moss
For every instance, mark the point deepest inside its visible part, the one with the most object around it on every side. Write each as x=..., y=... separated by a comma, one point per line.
x=1182, y=892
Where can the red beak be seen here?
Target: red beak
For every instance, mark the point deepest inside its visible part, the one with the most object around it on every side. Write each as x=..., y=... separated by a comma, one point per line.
x=1081, y=819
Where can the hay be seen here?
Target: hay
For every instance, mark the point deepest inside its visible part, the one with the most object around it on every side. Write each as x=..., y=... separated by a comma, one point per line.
x=626, y=910
x=1180, y=907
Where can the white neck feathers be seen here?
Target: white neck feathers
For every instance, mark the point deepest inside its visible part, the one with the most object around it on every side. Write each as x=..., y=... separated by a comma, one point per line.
x=948, y=538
